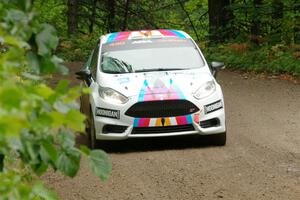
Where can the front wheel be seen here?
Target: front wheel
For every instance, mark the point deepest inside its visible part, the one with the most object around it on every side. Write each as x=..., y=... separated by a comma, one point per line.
x=91, y=133
x=219, y=139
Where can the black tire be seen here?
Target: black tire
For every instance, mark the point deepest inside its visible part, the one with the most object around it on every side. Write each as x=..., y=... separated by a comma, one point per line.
x=91, y=133
x=219, y=139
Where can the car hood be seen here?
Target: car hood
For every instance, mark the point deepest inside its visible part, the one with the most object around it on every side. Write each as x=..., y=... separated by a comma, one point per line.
x=157, y=85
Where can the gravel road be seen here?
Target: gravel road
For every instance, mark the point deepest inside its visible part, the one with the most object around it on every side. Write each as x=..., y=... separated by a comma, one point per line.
x=260, y=161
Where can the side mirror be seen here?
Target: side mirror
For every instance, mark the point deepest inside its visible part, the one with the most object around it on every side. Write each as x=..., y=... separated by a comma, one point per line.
x=84, y=74
x=215, y=66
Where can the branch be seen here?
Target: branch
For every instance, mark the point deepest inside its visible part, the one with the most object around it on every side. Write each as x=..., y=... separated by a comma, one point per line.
x=188, y=15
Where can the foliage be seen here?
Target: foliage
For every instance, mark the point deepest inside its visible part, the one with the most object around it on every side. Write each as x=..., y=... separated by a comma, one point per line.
x=276, y=59
x=77, y=47
x=260, y=26
x=37, y=122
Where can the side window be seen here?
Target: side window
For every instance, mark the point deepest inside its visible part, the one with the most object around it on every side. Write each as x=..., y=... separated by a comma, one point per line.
x=94, y=62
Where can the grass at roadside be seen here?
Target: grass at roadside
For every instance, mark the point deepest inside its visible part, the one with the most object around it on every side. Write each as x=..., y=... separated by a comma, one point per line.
x=275, y=59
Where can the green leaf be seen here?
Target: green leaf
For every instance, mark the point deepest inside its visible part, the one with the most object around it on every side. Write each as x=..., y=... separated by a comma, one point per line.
x=73, y=94
x=59, y=67
x=40, y=168
x=58, y=119
x=33, y=62
x=42, y=192
x=62, y=86
x=10, y=97
x=75, y=120
x=52, y=64
x=46, y=40
x=44, y=91
x=12, y=125
x=86, y=90
x=100, y=164
x=68, y=162
x=48, y=152
x=85, y=150
x=66, y=139
x=15, y=42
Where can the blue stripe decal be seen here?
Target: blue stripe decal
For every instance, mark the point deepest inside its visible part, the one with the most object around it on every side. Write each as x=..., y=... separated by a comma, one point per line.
x=143, y=91
x=178, y=91
x=189, y=119
x=178, y=33
x=112, y=37
x=136, y=122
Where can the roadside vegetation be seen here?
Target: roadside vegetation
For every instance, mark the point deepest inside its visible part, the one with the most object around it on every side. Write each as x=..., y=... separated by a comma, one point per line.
x=37, y=122
x=261, y=35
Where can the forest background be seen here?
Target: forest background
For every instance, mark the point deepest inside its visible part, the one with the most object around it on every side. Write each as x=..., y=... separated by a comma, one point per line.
x=261, y=35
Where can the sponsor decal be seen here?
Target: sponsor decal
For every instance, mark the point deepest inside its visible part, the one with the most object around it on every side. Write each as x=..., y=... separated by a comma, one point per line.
x=213, y=107
x=141, y=41
x=103, y=112
x=123, y=80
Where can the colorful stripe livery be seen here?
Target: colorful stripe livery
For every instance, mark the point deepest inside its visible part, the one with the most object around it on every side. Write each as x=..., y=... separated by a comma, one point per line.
x=173, y=33
x=168, y=121
x=155, y=93
x=120, y=36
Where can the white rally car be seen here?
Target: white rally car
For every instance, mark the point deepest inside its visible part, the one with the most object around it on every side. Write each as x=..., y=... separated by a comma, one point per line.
x=151, y=83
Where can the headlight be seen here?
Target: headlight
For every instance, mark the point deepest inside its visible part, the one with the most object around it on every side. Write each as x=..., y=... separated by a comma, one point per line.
x=112, y=95
x=205, y=90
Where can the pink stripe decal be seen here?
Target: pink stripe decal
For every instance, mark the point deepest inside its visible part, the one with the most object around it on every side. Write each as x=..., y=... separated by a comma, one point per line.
x=144, y=122
x=181, y=120
x=160, y=93
x=122, y=36
x=167, y=33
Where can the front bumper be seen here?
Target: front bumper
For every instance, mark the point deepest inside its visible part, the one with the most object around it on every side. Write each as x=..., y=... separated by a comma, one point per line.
x=201, y=123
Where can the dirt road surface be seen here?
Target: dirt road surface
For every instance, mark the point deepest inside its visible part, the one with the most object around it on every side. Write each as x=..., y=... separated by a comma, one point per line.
x=260, y=161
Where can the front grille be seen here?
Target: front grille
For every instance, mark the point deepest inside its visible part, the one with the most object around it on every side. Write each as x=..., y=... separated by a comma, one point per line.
x=210, y=123
x=156, y=109
x=162, y=129
x=113, y=129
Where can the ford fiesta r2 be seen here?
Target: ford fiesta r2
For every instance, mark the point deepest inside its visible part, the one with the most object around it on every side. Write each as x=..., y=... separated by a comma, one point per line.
x=151, y=84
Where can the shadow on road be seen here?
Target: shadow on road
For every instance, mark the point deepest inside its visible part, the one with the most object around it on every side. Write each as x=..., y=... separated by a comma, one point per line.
x=150, y=144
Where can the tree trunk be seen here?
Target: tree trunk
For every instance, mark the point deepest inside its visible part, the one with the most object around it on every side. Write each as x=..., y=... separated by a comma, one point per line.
x=219, y=18
x=111, y=6
x=1, y=162
x=277, y=16
x=126, y=15
x=297, y=23
x=256, y=26
x=72, y=15
x=188, y=16
x=93, y=16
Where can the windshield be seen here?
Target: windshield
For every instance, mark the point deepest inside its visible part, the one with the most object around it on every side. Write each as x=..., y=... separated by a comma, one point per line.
x=150, y=55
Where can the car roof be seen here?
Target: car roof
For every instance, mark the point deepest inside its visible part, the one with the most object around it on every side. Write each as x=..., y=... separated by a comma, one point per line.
x=143, y=34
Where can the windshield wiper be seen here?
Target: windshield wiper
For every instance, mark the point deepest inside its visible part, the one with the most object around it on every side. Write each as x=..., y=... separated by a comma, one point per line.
x=158, y=69
x=115, y=72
